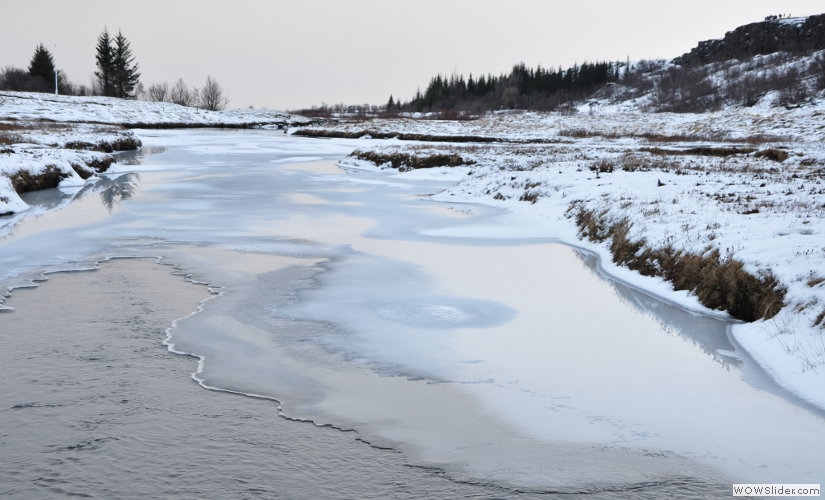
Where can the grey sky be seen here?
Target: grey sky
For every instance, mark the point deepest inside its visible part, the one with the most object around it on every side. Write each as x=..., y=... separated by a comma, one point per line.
x=293, y=54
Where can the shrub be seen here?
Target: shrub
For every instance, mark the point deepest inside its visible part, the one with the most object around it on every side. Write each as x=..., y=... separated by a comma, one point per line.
x=778, y=155
x=24, y=181
x=7, y=138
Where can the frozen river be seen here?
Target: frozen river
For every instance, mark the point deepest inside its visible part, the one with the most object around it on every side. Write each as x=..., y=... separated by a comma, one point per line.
x=495, y=364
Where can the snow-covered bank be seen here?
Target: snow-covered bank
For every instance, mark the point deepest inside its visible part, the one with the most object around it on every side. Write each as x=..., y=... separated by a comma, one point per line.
x=52, y=140
x=129, y=113
x=756, y=194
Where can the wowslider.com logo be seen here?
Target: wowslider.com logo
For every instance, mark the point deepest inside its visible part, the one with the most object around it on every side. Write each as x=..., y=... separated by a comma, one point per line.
x=776, y=490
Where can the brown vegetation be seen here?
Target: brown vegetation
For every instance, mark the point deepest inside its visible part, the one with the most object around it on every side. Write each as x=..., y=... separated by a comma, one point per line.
x=343, y=134
x=718, y=282
x=126, y=143
x=404, y=162
x=91, y=167
x=24, y=181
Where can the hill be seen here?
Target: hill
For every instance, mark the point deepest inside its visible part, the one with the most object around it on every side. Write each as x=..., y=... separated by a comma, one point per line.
x=795, y=35
x=779, y=61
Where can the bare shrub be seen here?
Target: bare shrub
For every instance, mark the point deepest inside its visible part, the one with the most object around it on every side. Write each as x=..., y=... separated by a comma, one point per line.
x=212, y=97
x=158, y=92
x=182, y=95
x=8, y=138
x=774, y=154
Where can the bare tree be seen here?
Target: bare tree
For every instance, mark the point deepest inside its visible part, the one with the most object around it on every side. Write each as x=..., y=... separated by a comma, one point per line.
x=180, y=94
x=212, y=97
x=158, y=92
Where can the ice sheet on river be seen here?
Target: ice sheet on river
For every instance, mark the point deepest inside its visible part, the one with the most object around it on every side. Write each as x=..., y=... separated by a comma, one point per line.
x=344, y=296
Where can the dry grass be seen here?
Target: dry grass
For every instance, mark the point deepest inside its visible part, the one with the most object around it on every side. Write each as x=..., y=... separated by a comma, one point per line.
x=375, y=134
x=820, y=319
x=24, y=181
x=9, y=138
x=404, y=162
x=718, y=282
x=125, y=143
x=700, y=151
x=91, y=167
x=815, y=280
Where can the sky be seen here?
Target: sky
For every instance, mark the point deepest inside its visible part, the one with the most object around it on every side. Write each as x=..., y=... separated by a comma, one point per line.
x=295, y=54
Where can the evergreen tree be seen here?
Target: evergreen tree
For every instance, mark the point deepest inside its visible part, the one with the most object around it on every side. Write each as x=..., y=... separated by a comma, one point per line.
x=126, y=76
x=105, y=64
x=42, y=66
x=117, y=71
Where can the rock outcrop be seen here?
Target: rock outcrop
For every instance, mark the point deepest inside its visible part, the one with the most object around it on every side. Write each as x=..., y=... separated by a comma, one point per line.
x=793, y=35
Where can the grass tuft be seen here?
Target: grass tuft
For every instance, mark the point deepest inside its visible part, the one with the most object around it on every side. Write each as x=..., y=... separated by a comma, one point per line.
x=24, y=181
x=404, y=162
x=718, y=282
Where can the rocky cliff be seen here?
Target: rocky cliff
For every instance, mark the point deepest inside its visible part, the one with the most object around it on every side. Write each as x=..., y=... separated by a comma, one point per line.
x=794, y=35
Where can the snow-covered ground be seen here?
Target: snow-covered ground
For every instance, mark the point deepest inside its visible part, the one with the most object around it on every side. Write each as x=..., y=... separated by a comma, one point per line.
x=58, y=108
x=609, y=158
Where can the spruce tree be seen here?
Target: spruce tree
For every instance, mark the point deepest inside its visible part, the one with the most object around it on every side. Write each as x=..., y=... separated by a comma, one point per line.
x=105, y=64
x=117, y=71
x=42, y=67
x=126, y=76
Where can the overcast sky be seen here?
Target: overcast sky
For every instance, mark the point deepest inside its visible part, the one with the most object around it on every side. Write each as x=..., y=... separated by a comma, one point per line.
x=291, y=54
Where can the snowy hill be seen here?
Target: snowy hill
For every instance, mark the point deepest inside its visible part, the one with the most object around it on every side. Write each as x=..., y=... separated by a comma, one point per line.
x=133, y=114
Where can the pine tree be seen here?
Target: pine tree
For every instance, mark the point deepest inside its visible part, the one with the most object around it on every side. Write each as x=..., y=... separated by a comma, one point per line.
x=126, y=76
x=117, y=72
x=42, y=66
x=105, y=64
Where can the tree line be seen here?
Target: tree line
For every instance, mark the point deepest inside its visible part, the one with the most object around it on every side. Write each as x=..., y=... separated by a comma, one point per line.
x=523, y=88
x=117, y=75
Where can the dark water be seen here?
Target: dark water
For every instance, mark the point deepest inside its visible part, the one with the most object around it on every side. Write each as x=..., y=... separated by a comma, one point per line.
x=93, y=405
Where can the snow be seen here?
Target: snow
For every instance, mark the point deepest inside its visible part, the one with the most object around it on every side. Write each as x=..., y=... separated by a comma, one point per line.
x=765, y=213
x=109, y=110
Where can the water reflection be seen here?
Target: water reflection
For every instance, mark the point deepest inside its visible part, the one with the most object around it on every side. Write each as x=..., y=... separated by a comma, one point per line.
x=114, y=191
x=706, y=332
x=138, y=156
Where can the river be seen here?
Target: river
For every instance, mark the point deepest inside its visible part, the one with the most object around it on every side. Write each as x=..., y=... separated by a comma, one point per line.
x=386, y=339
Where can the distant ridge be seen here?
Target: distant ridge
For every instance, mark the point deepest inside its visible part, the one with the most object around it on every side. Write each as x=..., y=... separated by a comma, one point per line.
x=797, y=35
